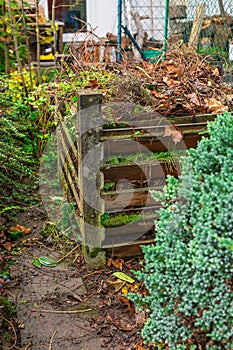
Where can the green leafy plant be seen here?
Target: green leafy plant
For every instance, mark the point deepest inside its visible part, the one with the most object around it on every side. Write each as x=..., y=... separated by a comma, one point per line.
x=189, y=272
x=15, y=161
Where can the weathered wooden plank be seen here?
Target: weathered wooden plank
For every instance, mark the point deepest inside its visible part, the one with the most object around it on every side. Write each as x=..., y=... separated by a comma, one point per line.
x=64, y=169
x=64, y=149
x=195, y=122
x=197, y=25
x=150, y=130
x=126, y=146
x=65, y=133
x=117, y=236
x=159, y=120
x=138, y=197
x=128, y=250
x=90, y=180
x=140, y=171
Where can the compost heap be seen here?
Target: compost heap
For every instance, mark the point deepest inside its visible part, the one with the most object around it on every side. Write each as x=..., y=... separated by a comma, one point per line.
x=184, y=84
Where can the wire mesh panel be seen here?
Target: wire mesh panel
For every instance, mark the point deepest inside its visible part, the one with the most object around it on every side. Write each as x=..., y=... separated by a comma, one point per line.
x=207, y=25
x=152, y=14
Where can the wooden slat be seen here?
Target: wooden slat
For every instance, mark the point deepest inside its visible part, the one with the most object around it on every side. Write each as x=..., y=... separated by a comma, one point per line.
x=141, y=171
x=138, y=197
x=66, y=133
x=157, y=125
x=128, y=250
x=115, y=236
x=153, y=144
x=152, y=130
x=67, y=156
x=64, y=169
x=185, y=119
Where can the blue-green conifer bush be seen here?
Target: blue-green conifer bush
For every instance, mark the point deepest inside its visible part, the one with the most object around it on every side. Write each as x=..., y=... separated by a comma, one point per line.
x=188, y=273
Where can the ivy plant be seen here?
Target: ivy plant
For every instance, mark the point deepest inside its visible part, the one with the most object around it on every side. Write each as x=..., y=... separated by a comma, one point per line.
x=188, y=273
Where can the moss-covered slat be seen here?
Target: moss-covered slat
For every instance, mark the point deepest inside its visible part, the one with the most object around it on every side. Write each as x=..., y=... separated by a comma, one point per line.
x=131, y=198
x=129, y=232
x=151, y=130
x=140, y=171
x=122, y=145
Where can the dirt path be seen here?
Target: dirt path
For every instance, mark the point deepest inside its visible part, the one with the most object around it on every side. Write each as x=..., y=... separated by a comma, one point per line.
x=58, y=289
x=67, y=307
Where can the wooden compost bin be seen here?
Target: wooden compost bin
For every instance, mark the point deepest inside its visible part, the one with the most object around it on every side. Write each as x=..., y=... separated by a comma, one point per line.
x=92, y=183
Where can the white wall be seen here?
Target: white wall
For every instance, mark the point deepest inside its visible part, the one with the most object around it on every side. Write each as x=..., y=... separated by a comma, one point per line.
x=102, y=14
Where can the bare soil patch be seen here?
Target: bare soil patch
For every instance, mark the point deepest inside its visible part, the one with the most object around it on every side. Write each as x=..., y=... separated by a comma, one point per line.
x=67, y=306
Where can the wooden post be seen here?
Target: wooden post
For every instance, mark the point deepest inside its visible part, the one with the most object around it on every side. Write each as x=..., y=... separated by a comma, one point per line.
x=90, y=181
x=221, y=6
x=38, y=42
x=197, y=25
x=140, y=33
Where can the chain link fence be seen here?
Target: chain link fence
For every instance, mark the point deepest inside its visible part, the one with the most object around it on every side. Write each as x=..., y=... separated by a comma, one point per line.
x=205, y=25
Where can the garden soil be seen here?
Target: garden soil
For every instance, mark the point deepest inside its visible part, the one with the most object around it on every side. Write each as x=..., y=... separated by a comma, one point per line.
x=68, y=307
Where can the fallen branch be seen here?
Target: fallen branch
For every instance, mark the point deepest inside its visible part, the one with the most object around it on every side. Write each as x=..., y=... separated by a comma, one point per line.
x=94, y=293
x=70, y=252
x=51, y=340
x=42, y=311
x=28, y=345
x=92, y=273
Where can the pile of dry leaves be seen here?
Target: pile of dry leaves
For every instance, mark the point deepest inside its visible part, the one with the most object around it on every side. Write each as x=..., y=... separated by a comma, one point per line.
x=185, y=83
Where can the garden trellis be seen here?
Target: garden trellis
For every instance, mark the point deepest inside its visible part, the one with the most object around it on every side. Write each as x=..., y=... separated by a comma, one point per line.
x=157, y=24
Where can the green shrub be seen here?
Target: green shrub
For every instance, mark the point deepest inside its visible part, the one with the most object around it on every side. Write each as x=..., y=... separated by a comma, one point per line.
x=188, y=274
x=16, y=158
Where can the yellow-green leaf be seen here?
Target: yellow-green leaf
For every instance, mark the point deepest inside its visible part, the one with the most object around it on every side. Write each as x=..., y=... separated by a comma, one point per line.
x=123, y=277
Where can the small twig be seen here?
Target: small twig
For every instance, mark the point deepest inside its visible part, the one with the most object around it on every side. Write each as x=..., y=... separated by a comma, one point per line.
x=76, y=257
x=61, y=311
x=14, y=331
x=94, y=293
x=28, y=345
x=92, y=273
x=70, y=252
x=141, y=69
x=51, y=340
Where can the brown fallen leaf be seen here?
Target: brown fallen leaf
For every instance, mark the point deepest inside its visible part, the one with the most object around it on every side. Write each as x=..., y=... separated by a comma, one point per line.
x=27, y=231
x=2, y=234
x=193, y=98
x=139, y=345
x=23, y=229
x=92, y=84
x=7, y=246
x=117, y=284
x=157, y=94
x=123, y=327
x=173, y=69
x=215, y=71
x=117, y=263
x=129, y=304
x=170, y=82
x=215, y=106
x=175, y=134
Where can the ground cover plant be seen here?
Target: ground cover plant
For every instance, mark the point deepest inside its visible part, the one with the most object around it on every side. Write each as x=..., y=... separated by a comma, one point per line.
x=189, y=272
